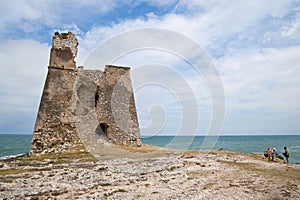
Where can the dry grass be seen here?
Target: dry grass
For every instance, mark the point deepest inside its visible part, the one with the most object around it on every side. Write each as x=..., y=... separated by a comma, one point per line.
x=197, y=173
x=43, y=161
x=213, y=151
x=52, y=158
x=15, y=171
x=142, y=149
x=281, y=172
x=84, y=156
x=209, y=185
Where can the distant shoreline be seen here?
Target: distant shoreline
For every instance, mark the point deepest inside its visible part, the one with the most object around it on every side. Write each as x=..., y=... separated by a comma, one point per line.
x=14, y=144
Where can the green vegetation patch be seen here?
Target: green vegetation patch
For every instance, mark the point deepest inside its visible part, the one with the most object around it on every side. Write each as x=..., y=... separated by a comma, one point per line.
x=52, y=158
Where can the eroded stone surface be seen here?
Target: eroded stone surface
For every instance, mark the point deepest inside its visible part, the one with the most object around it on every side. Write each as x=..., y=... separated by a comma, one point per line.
x=65, y=40
x=116, y=107
x=82, y=107
x=169, y=175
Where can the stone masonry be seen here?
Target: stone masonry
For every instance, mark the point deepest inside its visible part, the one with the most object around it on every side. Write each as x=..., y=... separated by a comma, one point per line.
x=79, y=105
x=115, y=107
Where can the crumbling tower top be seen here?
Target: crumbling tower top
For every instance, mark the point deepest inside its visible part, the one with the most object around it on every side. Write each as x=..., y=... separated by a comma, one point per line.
x=65, y=40
x=64, y=50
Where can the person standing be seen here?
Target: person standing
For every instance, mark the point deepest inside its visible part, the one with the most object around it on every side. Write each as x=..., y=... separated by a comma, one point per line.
x=268, y=154
x=286, y=154
x=273, y=153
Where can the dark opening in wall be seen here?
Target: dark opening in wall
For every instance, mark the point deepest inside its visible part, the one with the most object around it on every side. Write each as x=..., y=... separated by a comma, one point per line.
x=102, y=129
x=96, y=98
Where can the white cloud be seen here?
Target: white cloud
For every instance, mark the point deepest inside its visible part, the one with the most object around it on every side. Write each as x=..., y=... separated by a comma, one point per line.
x=254, y=43
x=72, y=28
x=22, y=73
x=291, y=28
x=218, y=27
x=14, y=11
x=31, y=15
x=158, y=2
x=258, y=80
x=22, y=76
x=262, y=90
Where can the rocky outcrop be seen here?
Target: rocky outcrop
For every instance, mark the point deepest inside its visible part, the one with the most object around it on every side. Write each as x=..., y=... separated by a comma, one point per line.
x=168, y=175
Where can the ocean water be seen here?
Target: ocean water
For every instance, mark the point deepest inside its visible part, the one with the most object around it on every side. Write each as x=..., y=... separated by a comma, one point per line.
x=13, y=145
x=246, y=144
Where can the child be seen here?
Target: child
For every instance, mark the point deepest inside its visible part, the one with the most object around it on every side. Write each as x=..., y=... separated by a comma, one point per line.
x=268, y=154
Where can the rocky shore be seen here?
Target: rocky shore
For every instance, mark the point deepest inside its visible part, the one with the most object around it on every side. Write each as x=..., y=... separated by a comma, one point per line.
x=148, y=174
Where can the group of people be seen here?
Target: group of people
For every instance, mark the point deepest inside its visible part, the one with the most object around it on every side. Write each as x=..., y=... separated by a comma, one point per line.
x=270, y=154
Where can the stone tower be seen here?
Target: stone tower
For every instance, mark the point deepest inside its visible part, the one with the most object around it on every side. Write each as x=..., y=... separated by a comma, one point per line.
x=115, y=107
x=77, y=104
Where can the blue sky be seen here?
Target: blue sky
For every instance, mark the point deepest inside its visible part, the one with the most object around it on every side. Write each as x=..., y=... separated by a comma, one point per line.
x=255, y=46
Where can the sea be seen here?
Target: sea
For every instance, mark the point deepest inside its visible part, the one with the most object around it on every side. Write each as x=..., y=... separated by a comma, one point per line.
x=16, y=145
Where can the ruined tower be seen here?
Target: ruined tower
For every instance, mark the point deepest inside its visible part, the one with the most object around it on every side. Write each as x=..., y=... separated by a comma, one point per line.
x=77, y=104
x=115, y=107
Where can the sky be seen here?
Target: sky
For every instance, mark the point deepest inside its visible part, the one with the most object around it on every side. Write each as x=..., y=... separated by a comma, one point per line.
x=254, y=46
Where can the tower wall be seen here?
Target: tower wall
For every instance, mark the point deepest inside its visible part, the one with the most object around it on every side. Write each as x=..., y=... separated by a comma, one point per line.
x=78, y=106
x=64, y=50
x=55, y=129
x=84, y=109
x=116, y=109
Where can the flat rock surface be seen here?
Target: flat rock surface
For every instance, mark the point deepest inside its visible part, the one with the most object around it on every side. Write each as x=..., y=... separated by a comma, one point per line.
x=155, y=174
